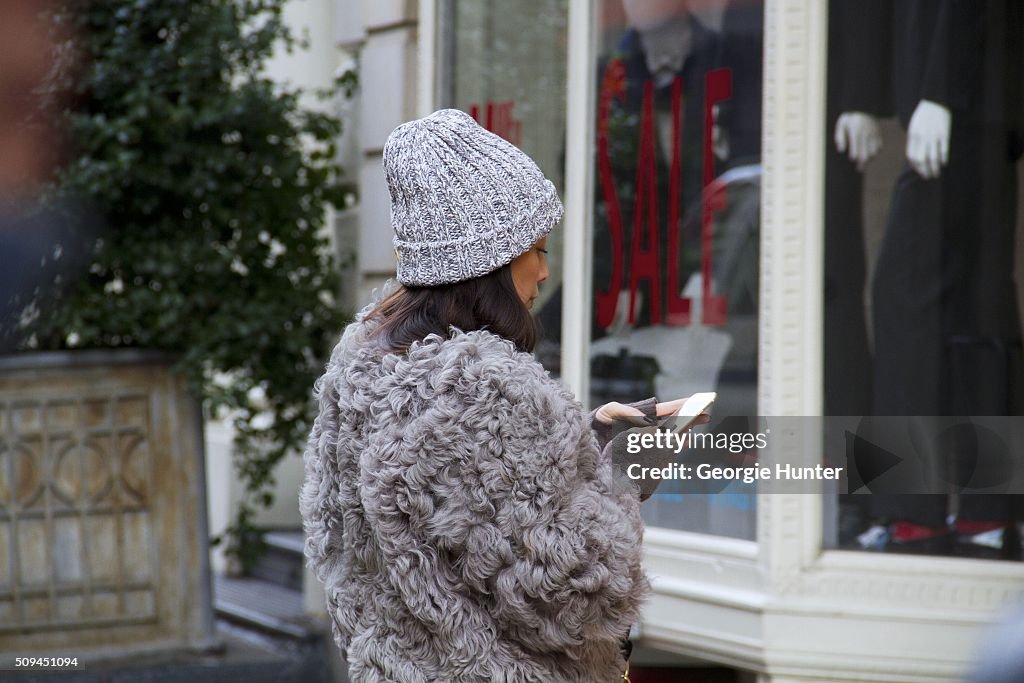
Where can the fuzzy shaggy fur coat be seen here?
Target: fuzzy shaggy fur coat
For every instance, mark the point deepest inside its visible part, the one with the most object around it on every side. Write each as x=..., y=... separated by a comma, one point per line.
x=464, y=517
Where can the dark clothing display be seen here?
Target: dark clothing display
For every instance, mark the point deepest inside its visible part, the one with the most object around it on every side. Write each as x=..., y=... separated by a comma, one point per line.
x=962, y=54
x=945, y=317
x=947, y=330
x=858, y=48
x=945, y=305
x=860, y=53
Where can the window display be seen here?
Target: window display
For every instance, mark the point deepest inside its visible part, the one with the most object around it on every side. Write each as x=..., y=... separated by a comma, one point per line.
x=676, y=226
x=942, y=302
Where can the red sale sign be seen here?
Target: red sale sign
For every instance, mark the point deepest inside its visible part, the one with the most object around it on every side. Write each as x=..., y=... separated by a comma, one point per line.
x=644, y=257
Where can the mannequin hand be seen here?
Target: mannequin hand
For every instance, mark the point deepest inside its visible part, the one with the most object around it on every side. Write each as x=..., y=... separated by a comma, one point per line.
x=928, y=139
x=858, y=136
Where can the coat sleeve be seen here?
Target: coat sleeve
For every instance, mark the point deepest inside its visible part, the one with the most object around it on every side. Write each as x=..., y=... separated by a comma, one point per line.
x=558, y=555
x=605, y=433
x=319, y=500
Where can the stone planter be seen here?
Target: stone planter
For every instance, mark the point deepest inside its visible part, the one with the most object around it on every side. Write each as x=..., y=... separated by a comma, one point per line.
x=103, y=536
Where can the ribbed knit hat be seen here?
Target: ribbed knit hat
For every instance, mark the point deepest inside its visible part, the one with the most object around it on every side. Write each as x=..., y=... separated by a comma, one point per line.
x=464, y=202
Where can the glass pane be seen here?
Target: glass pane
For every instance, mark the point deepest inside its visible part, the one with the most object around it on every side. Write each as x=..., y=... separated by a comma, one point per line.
x=922, y=322
x=676, y=226
x=505, y=64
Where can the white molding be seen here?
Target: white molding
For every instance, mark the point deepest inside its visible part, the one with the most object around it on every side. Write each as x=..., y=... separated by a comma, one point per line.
x=801, y=648
x=918, y=566
x=721, y=546
x=579, y=183
x=427, y=37
x=709, y=593
x=792, y=208
x=742, y=652
x=792, y=235
x=816, y=667
x=950, y=590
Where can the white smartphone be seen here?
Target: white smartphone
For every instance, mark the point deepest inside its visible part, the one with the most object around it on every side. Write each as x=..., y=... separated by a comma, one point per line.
x=682, y=419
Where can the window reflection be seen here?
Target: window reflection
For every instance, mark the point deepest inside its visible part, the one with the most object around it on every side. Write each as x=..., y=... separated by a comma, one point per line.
x=676, y=223
x=505, y=65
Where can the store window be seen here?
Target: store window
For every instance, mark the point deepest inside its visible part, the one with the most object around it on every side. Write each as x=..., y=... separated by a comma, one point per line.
x=922, y=322
x=505, y=64
x=676, y=228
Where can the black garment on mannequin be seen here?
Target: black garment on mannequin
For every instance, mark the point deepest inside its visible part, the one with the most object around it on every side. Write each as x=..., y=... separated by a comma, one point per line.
x=946, y=324
x=859, y=47
x=945, y=306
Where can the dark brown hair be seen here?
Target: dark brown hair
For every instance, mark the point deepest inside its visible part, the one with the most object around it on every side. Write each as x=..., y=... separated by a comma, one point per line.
x=488, y=302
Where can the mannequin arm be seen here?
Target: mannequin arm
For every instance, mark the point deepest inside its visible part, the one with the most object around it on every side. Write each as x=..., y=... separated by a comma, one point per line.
x=928, y=138
x=858, y=136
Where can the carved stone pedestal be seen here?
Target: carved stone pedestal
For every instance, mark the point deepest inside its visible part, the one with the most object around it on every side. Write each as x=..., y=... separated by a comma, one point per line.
x=103, y=538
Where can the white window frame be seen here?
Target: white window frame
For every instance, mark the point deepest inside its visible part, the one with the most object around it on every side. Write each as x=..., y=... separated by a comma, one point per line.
x=428, y=36
x=780, y=606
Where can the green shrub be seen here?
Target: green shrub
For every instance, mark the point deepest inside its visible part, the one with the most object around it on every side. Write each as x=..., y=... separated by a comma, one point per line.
x=212, y=182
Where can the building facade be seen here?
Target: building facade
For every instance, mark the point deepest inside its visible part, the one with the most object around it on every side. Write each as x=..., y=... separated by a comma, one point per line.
x=805, y=206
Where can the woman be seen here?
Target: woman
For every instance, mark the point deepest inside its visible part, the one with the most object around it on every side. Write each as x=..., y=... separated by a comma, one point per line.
x=464, y=515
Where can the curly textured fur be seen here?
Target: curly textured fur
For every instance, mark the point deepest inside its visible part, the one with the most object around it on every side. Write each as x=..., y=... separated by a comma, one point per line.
x=464, y=519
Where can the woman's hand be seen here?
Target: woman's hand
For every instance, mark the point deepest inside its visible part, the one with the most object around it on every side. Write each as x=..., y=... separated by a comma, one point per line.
x=610, y=412
x=626, y=420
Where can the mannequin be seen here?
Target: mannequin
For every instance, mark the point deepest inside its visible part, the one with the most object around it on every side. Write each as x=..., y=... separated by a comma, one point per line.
x=947, y=333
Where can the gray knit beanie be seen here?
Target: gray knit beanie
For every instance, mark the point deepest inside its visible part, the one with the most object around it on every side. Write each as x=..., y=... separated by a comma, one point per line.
x=464, y=202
